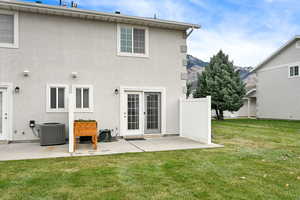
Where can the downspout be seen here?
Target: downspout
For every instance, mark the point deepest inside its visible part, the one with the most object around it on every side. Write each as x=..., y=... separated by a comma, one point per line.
x=190, y=32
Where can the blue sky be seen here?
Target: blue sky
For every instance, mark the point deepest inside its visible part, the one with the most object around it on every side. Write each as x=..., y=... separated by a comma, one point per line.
x=247, y=30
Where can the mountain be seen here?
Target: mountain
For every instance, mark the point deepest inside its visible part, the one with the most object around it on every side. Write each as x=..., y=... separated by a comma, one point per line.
x=244, y=71
x=196, y=66
x=195, y=62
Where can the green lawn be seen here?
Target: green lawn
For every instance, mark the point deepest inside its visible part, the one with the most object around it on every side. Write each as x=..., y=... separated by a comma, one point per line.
x=261, y=160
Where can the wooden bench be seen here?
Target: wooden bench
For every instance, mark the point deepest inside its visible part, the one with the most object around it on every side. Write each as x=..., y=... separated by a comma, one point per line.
x=86, y=128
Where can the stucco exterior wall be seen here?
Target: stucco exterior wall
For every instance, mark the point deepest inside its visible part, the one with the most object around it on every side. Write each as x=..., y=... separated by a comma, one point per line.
x=278, y=96
x=51, y=47
x=243, y=111
x=252, y=110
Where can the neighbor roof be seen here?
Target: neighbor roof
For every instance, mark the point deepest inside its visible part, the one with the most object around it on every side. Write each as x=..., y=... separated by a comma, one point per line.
x=276, y=52
x=251, y=93
x=95, y=15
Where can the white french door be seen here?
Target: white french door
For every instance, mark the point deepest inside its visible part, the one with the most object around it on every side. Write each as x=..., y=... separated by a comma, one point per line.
x=3, y=114
x=152, y=103
x=133, y=114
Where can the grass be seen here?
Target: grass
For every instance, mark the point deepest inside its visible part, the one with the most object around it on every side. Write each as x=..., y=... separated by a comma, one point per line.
x=260, y=160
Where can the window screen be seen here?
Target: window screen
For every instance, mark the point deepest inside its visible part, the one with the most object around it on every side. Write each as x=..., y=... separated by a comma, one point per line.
x=296, y=71
x=139, y=41
x=126, y=40
x=132, y=40
x=78, y=98
x=61, y=97
x=53, y=98
x=85, y=97
x=6, y=28
x=57, y=97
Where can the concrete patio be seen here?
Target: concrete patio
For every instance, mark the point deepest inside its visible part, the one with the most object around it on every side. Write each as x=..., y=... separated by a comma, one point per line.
x=21, y=151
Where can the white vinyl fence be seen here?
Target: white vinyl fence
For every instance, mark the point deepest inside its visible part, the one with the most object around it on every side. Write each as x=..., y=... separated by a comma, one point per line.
x=195, y=119
x=71, y=121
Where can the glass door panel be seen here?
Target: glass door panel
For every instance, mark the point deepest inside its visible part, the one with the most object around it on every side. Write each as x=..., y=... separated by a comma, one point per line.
x=152, y=112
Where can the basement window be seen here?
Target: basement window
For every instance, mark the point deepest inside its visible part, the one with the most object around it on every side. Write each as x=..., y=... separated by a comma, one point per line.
x=294, y=71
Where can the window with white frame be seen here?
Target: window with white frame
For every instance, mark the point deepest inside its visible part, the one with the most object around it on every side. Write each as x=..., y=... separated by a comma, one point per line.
x=294, y=71
x=57, y=98
x=8, y=29
x=83, y=98
x=132, y=41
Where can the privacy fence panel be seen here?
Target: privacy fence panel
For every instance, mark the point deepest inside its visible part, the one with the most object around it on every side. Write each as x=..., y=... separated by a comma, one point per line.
x=195, y=119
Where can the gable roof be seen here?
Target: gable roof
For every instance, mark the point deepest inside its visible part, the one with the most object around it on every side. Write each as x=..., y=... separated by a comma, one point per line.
x=94, y=15
x=276, y=52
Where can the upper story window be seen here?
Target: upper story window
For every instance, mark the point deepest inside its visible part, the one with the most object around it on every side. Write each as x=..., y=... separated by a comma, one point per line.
x=83, y=98
x=132, y=41
x=8, y=29
x=294, y=71
x=57, y=98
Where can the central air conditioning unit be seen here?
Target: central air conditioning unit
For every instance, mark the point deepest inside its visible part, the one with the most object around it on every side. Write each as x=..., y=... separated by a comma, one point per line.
x=52, y=134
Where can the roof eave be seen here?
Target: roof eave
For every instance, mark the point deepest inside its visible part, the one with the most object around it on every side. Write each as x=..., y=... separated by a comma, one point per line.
x=90, y=14
x=276, y=53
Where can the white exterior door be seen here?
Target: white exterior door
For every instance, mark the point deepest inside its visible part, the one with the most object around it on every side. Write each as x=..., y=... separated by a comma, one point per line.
x=133, y=115
x=3, y=114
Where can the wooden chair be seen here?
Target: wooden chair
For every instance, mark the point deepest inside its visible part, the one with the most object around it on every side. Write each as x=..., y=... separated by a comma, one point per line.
x=86, y=128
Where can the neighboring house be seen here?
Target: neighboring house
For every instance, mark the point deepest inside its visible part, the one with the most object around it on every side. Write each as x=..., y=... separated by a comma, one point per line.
x=126, y=72
x=249, y=107
x=278, y=80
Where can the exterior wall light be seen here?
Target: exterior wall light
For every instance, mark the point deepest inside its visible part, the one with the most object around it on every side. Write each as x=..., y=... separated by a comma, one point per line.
x=17, y=89
x=116, y=91
x=74, y=75
x=26, y=73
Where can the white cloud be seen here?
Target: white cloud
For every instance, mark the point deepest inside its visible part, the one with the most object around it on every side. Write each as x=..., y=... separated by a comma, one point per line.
x=241, y=49
x=248, y=34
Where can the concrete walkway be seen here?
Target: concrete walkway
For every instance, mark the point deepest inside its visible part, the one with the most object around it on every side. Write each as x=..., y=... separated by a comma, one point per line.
x=21, y=151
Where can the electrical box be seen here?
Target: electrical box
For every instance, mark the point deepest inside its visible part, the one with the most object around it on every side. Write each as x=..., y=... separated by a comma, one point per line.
x=31, y=123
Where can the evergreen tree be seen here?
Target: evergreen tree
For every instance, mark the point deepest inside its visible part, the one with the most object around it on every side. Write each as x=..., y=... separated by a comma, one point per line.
x=188, y=89
x=222, y=83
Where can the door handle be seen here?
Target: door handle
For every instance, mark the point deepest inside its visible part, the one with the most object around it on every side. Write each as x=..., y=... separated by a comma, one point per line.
x=5, y=115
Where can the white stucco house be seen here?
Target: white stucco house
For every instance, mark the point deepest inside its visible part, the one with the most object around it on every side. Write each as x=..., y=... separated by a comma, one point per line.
x=278, y=80
x=125, y=72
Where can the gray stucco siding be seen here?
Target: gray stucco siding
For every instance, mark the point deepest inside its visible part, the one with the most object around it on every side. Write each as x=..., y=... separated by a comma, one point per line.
x=290, y=54
x=278, y=95
x=51, y=47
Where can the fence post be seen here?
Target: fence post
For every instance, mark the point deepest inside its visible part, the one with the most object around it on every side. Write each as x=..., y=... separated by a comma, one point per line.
x=180, y=116
x=208, y=98
x=71, y=121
